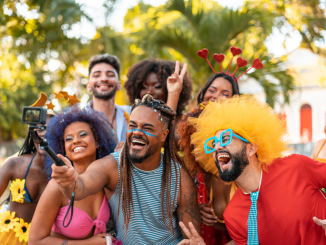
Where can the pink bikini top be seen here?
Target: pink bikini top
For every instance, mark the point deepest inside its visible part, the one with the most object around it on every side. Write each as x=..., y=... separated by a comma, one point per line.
x=81, y=223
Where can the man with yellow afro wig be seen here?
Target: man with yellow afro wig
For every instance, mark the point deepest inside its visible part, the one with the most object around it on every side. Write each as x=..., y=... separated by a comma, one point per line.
x=278, y=199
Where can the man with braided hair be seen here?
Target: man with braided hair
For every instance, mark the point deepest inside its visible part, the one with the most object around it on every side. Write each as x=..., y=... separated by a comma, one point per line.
x=149, y=192
x=279, y=199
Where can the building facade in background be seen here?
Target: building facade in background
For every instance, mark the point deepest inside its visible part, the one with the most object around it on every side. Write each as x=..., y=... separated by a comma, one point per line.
x=306, y=114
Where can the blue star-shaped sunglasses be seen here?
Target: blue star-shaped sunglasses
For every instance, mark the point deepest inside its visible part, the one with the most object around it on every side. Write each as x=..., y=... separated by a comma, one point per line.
x=210, y=143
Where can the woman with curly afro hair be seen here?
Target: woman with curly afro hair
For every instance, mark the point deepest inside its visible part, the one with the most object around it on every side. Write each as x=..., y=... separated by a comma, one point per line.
x=161, y=79
x=213, y=229
x=151, y=77
x=83, y=135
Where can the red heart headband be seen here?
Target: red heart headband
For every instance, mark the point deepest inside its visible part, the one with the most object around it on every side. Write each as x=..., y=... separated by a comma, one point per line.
x=240, y=62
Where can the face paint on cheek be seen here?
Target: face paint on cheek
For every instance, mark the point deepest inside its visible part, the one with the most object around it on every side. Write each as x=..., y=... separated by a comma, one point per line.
x=133, y=130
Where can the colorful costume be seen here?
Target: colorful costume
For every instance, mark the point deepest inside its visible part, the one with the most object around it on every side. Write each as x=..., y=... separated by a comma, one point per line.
x=14, y=230
x=289, y=198
x=289, y=194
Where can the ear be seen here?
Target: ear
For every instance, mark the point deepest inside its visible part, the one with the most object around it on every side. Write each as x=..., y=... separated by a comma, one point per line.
x=119, y=86
x=165, y=133
x=88, y=86
x=252, y=149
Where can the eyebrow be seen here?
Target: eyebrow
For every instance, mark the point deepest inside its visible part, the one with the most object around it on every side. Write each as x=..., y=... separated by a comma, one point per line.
x=144, y=125
x=224, y=90
x=78, y=132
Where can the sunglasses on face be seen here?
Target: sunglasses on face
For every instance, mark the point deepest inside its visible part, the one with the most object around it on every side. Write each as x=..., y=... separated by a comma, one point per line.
x=224, y=139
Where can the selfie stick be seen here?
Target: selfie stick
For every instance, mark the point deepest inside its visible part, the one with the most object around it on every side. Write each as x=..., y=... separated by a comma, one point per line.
x=45, y=145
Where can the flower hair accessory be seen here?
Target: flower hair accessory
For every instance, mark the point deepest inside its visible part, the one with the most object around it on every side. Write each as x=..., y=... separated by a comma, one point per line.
x=240, y=61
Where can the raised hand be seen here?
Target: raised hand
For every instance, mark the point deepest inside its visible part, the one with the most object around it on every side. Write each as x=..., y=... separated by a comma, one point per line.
x=65, y=176
x=175, y=81
x=320, y=222
x=194, y=237
x=206, y=214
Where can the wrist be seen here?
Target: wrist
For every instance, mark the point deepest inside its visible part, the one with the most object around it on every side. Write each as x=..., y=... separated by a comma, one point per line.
x=174, y=95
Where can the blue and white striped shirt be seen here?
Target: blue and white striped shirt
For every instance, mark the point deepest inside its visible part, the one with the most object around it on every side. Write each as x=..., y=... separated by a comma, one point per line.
x=146, y=224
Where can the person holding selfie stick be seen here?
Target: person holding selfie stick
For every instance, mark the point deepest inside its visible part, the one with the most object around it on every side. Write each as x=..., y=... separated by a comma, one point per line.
x=28, y=180
x=83, y=136
x=148, y=191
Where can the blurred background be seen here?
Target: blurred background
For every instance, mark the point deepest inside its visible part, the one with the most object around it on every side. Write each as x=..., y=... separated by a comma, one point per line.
x=45, y=46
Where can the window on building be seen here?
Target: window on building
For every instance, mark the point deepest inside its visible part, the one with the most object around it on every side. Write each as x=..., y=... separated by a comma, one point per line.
x=306, y=123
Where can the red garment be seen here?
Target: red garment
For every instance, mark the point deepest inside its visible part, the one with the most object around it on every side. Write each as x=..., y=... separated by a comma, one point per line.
x=289, y=198
x=210, y=235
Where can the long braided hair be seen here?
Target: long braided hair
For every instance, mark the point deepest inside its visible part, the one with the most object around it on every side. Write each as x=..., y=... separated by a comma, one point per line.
x=170, y=159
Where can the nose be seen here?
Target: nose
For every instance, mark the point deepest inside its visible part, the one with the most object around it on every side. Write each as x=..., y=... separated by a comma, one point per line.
x=104, y=77
x=218, y=147
x=76, y=140
x=150, y=91
x=137, y=132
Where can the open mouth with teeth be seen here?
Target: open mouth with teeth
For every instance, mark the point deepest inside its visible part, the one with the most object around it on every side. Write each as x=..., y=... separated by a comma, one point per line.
x=224, y=160
x=79, y=149
x=104, y=86
x=138, y=143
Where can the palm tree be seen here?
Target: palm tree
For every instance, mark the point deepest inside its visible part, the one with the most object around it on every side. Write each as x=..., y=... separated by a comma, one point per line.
x=217, y=28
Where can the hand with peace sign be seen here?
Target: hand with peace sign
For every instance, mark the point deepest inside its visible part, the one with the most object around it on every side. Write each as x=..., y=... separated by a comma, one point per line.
x=174, y=85
x=194, y=237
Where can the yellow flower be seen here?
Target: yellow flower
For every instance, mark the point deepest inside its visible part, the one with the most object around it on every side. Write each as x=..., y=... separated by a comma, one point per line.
x=7, y=221
x=17, y=190
x=22, y=230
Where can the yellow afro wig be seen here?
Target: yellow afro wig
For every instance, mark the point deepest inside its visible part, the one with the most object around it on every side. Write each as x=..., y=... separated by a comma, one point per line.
x=247, y=117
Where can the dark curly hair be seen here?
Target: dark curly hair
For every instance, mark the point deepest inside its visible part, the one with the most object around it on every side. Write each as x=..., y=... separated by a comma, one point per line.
x=138, y=73
x=185, y=130
x=98, y=123
x=235, y=88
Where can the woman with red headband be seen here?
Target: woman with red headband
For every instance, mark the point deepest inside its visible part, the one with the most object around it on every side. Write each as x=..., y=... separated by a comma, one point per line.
x=213, y=194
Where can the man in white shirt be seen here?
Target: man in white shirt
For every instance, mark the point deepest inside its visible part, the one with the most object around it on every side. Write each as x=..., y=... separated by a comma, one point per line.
x=104, y=74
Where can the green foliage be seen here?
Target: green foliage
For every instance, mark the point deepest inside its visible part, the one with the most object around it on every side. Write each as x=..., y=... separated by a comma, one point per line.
x=205, y=24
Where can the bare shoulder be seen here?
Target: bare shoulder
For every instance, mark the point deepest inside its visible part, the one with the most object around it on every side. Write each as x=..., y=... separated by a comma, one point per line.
x=317, y=146
x=107, y=163
x=16, y=164
x=185, y=177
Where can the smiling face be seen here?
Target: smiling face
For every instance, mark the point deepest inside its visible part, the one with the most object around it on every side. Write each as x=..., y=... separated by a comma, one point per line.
x=220, y=87
x=79, y=142
x=153, y=87
x=231, y=159
x=141, y=145
x=103, y=81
